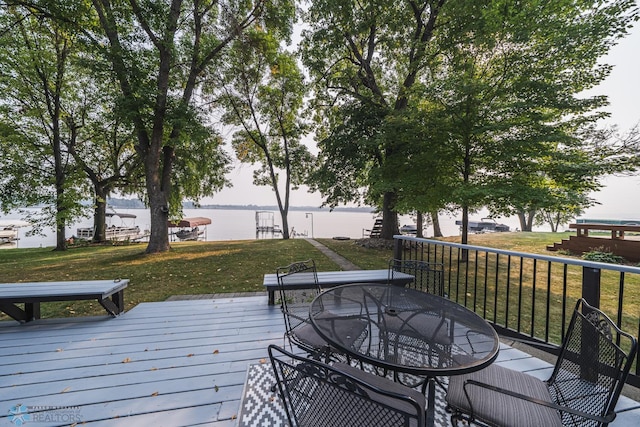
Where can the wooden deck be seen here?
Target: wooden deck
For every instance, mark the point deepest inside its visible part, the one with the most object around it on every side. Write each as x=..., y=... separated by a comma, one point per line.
x=628, y=248
x=173, y=363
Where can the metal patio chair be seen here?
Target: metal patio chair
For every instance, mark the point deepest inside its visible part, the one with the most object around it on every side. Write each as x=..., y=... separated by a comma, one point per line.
x=316, y=394
x=429, y=276
x=295, y=301
x=583, y=389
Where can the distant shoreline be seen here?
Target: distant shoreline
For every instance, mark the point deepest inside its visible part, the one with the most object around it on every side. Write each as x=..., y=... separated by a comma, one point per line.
x=137, y=204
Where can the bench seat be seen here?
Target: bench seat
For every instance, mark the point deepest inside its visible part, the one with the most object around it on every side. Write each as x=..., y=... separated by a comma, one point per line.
x=109, y=293
x=329, y=279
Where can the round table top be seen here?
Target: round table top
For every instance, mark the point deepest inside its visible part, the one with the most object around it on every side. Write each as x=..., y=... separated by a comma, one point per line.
x=406, y=330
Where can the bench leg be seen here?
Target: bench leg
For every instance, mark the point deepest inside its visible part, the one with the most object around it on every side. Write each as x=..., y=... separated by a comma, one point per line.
x=272, y=298
x=31, y=311
x=118, y=300
x=115, y=305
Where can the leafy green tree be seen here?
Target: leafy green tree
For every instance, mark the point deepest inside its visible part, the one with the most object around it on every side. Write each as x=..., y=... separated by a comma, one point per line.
x=609, y=152
x=102, y=145
x=91, y=140
x=38, y=102
x=510, y=88
x=264, y=98
x=422, y=170
x=498, y=83
x=554, y=188
x=159, y=52
x=365, y=58
x=570, y=205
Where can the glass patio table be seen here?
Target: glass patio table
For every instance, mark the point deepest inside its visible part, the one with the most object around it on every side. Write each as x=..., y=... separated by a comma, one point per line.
x=410, y=334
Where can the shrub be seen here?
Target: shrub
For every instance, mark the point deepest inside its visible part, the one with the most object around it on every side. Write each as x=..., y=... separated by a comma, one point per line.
x=601, y=255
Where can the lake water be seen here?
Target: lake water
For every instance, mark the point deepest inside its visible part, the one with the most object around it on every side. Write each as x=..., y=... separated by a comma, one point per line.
x=240, y=224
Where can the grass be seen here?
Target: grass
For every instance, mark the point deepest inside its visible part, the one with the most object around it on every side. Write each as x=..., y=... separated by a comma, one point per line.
x=537, y=287
x=189, y=268
x=205, y=267
x=367, y=259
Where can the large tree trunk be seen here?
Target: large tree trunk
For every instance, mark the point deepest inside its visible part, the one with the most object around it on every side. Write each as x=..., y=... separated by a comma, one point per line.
x=437, y=231
x=60, y=179
x=61, y=239
x=159, y=215
x=389, y=217
x=554, y=221
x=99, y=215
x=158, y=178
x=526, y=220
x=285, y=224
x=464, y=228
x=419, y=224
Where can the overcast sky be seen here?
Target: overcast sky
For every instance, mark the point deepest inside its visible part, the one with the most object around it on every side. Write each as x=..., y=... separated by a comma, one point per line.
x=618, y=198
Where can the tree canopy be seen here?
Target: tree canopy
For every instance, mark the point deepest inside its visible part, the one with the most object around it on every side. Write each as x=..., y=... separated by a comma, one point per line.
x=159, y=52
x=454, y=104
x=40, y=100
x=263, y=95
x=366, y=59
x=418, y=105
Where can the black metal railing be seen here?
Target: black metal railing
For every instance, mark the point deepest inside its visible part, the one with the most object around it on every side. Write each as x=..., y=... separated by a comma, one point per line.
x=531, y=296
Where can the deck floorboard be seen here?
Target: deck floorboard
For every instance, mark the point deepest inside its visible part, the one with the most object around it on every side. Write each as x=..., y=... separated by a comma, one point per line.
x=173, y=363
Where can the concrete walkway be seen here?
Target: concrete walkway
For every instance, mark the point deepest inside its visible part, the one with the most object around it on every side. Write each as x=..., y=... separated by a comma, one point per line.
x=344, y=263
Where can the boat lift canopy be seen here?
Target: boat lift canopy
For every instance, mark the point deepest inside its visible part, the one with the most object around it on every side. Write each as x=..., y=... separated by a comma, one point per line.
x=190, y=222
x=122, y=215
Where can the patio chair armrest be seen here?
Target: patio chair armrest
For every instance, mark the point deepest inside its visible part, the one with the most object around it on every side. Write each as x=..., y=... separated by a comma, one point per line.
x=606, y=419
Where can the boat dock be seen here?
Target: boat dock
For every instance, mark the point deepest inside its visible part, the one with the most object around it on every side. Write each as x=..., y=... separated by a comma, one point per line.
x=265, y=224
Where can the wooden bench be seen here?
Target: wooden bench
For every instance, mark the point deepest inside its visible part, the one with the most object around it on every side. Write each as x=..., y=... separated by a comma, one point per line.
x=109, y=293
x=328, y=279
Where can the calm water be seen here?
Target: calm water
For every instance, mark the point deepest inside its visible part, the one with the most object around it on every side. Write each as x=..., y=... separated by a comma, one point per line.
x=229, y=224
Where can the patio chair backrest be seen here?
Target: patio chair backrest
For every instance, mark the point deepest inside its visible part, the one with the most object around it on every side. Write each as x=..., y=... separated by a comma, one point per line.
x=429, y=276
x=295, y=301
x=593, y=365
x=319, y=395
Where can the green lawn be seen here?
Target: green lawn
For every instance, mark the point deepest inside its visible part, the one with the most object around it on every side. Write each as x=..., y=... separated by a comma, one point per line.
x=203, y=267
x=189, y=268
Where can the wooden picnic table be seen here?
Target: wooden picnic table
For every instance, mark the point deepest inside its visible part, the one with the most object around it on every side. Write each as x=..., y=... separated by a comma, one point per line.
x=617, y=231
x=328, y=279
x=109, y=293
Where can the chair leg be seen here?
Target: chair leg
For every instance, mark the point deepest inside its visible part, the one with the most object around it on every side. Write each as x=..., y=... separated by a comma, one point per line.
x=457, y=418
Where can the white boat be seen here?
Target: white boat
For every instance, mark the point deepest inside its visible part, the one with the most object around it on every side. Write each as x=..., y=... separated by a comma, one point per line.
x=120, y=232
x=485, y=225
x=9, y=229
x=189, y=228
x=411, y=229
